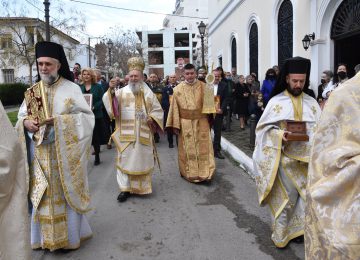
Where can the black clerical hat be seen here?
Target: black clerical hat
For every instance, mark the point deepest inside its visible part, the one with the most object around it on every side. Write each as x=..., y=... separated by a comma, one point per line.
x=56, y=51
x=297, y=65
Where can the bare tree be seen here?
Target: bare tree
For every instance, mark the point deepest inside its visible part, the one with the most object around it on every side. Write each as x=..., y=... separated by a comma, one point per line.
x=19, y=47
x=101, y=54
x=19, y=33
x=125, y=46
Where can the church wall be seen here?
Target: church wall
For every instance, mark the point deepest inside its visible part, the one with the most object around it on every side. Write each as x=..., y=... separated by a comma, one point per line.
x=234, y=18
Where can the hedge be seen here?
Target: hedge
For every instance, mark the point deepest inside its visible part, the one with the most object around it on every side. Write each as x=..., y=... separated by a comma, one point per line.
x=12, y=93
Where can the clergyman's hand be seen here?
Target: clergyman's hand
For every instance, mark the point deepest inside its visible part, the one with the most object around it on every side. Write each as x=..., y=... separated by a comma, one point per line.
x=151, y=124
x=49, y=121
x=31, y=125
x=284, y=138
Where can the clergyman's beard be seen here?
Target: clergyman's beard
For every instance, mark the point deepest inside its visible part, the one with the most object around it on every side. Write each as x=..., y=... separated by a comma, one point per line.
x=294, y=92
x=49, y=78
x=135, y=87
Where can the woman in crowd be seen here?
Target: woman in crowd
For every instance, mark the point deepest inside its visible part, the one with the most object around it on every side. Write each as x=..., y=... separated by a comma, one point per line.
x=268, y=85
x=242, y=94
x=89, y=86
x=339, y=78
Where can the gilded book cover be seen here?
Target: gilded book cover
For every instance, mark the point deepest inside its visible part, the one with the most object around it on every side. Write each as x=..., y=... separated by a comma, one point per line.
x=36, y=103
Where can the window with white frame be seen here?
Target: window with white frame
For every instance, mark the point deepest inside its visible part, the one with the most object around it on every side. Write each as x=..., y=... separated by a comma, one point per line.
x=8, y=75
x=5, y=41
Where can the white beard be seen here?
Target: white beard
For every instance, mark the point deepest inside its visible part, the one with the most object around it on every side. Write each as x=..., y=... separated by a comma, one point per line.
x=135, y=87
x=49, y=78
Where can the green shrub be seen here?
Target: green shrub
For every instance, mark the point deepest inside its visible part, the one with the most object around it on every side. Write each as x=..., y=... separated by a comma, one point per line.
x=13, y=117
x=12, y=93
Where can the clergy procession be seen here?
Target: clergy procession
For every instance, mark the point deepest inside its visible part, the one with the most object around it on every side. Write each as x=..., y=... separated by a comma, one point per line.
x=305, y=159
x=196, y=162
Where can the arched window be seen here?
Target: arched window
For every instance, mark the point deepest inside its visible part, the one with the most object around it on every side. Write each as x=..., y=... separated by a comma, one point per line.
x=285, y=32
x=233, y=53
x=345, y=32
x=253, y=48
x=346, y=21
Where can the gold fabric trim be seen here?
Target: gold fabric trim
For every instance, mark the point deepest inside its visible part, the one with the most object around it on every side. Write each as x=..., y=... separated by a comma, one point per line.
x=191, y=114
x=74, y=156
x=52, y=219
x=135, y=172
x=278, y=198
x=297, y=103
x=297, y=173
x=288, y=238
x=274, y=170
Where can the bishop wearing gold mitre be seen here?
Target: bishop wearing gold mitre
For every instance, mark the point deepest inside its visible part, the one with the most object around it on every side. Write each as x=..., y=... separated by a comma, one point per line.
x=59, y=149
x=138, y=114
x=189, y=119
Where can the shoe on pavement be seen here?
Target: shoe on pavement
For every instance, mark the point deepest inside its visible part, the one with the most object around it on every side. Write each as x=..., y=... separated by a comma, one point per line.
x=219, y=155
x=109, y=146
x=123, y=196
x=171, y=146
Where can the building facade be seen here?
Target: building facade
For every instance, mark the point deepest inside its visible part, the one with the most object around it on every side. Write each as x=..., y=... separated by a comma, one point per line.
x=178, y=40
x=83, y=57
x=162, y=49
x=18, y=36
x=254, y=35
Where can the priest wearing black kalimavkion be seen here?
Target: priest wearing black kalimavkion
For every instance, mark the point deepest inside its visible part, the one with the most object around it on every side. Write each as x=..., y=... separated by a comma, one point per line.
x=284, y=134
x=59, y=190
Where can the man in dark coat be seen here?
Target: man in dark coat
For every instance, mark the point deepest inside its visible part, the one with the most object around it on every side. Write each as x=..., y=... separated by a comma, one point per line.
x=220, y=90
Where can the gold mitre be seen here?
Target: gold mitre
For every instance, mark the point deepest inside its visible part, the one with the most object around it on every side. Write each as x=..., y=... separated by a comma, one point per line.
x=136, y=63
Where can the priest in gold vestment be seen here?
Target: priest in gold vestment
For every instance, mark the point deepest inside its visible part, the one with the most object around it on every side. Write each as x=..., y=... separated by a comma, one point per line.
x=332, y=229
x=59, y=190
x=280, y=164
x=14, y=186
x=195, y=150
x=138, y=114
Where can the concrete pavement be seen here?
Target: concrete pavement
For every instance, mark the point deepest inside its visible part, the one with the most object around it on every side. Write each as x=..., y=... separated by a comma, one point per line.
x=236, y=143
x=180, y=220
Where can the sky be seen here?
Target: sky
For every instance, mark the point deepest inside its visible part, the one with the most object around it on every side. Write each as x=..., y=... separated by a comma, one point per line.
x=99, y=20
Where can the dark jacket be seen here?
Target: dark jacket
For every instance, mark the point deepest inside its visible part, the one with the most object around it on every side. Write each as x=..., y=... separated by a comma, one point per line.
x=97, y=92
x=166, y=93
x=223, y=92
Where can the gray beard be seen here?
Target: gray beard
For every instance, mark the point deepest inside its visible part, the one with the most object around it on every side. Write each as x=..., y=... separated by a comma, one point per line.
x=135, y=87
x=48, y=78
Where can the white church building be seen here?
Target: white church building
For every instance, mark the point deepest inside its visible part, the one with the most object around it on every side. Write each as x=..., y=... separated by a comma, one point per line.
x=254, y=35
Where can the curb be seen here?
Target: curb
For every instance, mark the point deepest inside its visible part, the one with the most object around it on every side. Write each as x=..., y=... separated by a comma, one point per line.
x=239, y=156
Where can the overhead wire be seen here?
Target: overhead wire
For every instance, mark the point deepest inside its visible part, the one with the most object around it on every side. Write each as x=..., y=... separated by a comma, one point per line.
x=88, y=35
x=135, y=10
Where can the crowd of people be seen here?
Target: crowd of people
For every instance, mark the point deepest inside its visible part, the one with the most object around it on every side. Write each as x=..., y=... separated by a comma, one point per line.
x=306, y=166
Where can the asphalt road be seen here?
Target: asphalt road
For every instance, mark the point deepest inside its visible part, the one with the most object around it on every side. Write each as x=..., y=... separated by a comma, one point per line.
x=180, y=220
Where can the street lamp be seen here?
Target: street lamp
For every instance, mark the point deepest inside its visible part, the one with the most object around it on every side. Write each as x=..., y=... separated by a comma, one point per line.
x=202, y=28
x=47, y=23
x=110, y=45
x=307, y=39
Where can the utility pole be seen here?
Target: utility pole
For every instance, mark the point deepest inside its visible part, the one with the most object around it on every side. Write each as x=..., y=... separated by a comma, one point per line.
x=89, y=52
x=47, y=23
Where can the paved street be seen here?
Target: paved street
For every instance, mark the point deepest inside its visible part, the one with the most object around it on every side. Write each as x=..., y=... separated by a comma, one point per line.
x=180, y=220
